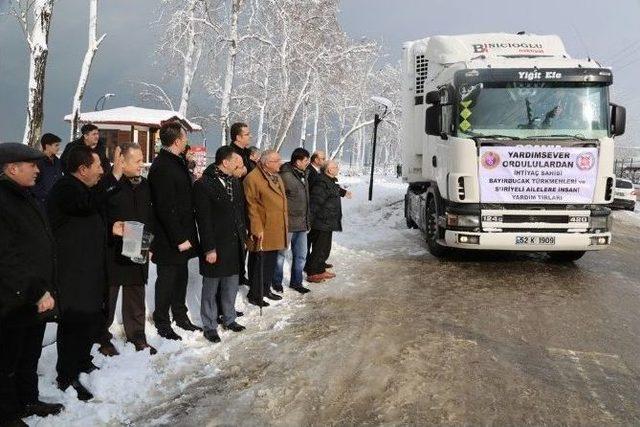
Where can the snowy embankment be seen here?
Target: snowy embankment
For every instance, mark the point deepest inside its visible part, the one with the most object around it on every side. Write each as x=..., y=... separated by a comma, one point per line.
x=133, y=382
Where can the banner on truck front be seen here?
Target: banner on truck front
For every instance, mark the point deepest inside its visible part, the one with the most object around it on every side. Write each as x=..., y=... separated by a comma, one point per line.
x=537, y=174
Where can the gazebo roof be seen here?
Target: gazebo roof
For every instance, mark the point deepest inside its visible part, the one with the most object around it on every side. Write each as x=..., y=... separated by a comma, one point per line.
x=131, y=115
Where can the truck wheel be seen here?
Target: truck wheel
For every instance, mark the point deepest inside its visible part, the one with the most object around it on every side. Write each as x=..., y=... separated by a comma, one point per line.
x=565, y=256
x=407, y=217
x=431, y=231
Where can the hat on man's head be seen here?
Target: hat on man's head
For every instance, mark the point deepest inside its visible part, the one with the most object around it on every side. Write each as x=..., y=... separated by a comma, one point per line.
x=13, y=152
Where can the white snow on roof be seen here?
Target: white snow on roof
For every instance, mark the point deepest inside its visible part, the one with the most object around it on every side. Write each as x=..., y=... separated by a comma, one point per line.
x=133, y=115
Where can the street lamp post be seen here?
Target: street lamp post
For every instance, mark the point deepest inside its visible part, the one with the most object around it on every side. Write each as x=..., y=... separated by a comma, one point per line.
x=377, y=119
x=103, y=98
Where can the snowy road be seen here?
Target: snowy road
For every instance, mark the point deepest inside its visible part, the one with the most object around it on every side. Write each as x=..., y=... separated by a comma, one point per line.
x=402, y=338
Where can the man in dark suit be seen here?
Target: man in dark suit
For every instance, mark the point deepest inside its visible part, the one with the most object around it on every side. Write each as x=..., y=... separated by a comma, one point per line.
x=50, y=167
x=240, y=139
x=176, y=236
x=76, y=207
x=132, y=203
x=220, y=216
x=313, y=170
x=90, y=138
x=27, y=281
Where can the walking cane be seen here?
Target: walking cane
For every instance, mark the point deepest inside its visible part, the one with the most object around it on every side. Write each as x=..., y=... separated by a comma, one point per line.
x=261, y=274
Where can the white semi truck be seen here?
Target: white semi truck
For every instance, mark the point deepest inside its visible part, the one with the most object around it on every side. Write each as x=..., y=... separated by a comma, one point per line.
x=508, y=145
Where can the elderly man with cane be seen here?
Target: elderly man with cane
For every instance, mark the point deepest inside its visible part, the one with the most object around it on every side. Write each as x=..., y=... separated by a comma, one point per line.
x=267, y=211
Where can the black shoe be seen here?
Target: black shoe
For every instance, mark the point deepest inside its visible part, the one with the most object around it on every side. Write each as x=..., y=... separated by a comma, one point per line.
x=41, y=409
x=83, y=393
x=245, y=282
x=273, y=297
x=108, y=349
x=239, y=314
x=328, y=265
x=89, y=367
x=235, y=327
x=169, y=334
x=141, y=344
x=300, y=288
x=278, y=288
x=259, y=303
x=212, y=336
x=188, y=326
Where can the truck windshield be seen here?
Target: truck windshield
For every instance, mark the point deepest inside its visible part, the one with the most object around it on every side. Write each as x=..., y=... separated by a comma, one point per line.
x=533, y=109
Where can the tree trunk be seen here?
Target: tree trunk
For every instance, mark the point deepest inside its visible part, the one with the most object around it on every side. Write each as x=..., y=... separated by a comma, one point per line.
x=194, y=51
x=316, y=117
x=229, y=73
x=92, y=47
x=304, y=121
x=37, y=40
x=346, y=136
x=282, y=134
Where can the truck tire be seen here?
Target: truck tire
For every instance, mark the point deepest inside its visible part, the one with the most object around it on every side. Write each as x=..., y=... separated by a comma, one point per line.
x=565, y=256
x=432, y=231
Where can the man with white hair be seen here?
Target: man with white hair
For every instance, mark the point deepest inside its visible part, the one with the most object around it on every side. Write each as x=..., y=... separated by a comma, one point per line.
x=267, y=211
x=325, y=198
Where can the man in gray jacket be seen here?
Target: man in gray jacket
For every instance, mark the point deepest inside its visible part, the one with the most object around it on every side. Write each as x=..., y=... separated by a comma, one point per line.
x=295, y=177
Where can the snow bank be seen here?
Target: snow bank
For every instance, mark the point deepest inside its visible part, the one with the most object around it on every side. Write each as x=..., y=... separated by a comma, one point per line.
x=133, y=382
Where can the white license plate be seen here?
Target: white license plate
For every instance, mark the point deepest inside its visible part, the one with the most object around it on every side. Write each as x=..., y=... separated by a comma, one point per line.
x=619, y=193
x=535, y=240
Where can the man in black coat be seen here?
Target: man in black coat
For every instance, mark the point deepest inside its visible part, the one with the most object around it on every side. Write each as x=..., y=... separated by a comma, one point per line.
x=50, y=167
x=176, y=236
x=76, y=207
x=326, y=208
x=27, y=278
x=131, y=203
x=220, y=216
x=315, y=165
x=90, y=138
x=240, y=139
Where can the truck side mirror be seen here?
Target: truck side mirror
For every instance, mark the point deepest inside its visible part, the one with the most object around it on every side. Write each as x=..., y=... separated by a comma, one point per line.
x=433, y=97
x=432, y=120
x=618, y=119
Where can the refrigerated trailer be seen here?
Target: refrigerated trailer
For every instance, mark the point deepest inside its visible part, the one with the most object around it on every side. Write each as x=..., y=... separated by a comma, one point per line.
x=508, y=144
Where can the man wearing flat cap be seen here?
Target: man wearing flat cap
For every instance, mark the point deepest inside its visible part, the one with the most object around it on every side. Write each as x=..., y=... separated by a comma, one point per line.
x=27, y=279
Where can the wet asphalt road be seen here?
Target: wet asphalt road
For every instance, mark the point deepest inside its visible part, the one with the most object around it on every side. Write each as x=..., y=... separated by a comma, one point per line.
x=501, y=339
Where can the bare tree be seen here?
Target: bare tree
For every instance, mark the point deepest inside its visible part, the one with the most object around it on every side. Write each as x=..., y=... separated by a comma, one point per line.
x=34, y=17
x=93, y=46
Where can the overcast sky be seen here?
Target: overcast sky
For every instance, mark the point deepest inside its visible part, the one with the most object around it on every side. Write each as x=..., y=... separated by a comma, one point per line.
x=607, y=31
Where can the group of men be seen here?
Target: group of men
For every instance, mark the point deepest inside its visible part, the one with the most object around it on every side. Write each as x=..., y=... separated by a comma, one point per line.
x=62, y=223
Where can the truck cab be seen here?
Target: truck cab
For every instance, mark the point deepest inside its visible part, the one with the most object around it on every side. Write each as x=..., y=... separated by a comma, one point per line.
x=508, y=144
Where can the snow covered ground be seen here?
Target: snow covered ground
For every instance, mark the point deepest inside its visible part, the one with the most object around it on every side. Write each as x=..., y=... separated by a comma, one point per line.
x=132, y=382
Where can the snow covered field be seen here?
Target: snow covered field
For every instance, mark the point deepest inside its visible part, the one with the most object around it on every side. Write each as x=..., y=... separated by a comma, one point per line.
x=127, y=384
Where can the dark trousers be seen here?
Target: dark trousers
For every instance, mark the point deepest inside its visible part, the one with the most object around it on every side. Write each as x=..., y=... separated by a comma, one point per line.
x=19, y=354
x=320, y=250
x=269, y=259
x=133, y=309
x=171, y=293
x=76, y=334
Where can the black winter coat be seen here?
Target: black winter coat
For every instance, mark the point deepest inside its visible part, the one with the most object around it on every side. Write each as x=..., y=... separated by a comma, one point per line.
x=132, y=203
x=221, y=223
x=174, y=214
x=296, y=184
x=27, y=253
x=246, y=158
x=100, y=150
x=77, y=214
x=50, y=173
x=326, y=204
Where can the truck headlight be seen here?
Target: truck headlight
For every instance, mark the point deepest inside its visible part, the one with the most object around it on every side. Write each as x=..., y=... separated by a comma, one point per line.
x=455, y=220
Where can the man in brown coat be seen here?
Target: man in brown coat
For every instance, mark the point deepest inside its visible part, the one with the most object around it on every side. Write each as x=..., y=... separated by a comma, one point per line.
x=267, y=211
